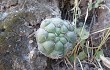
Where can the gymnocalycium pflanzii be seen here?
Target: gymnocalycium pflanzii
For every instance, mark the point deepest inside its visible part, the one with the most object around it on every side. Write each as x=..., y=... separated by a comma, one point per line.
x=55, y=37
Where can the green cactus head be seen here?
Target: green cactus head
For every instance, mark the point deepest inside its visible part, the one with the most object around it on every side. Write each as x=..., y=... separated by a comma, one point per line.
x=55, y=38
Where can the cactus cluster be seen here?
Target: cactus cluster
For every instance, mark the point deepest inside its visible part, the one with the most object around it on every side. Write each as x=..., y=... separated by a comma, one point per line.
x=55, y=38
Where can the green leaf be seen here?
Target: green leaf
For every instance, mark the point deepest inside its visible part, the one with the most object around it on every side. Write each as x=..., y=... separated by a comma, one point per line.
x=97, y=3
x=71, y=58
x=90, y=5
x=84, y=35
x=98, y=54
x=82, y=55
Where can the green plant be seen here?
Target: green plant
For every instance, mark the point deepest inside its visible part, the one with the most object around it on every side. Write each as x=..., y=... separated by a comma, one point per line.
x=55, y=38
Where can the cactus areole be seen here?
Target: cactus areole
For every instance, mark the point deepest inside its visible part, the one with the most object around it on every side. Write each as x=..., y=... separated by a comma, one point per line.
x=55, y=38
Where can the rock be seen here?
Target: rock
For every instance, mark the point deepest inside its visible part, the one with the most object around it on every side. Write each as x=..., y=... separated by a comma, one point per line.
x=17, y=22
x=14, y=41
x=102, y=22
x=2, y=67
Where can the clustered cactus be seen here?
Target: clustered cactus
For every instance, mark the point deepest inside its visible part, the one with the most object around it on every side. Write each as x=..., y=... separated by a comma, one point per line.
x=55, y=38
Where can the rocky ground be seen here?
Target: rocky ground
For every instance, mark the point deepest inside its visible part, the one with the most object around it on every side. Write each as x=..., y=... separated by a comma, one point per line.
x=18, y=21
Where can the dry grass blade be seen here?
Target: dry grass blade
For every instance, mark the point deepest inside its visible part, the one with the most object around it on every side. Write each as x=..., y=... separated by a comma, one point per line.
x=105, y=60
x=103, y=41
x=100, y=31
x=85, y=21
x=80, y=63
x=69, y=62
x=100, y=66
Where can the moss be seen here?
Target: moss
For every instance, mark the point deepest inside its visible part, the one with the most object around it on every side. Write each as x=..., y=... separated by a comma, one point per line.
x=15, y=20
x=10, y=29
x=2, y=40
x=3, y=44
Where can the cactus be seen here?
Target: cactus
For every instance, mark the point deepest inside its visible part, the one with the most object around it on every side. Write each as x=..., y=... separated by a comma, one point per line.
x=55, y=38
